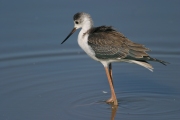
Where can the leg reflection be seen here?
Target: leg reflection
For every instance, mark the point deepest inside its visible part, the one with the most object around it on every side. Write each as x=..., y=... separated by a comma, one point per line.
x=113, y=111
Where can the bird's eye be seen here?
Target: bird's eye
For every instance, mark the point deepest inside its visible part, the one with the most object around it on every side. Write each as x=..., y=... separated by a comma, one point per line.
x=77, y=22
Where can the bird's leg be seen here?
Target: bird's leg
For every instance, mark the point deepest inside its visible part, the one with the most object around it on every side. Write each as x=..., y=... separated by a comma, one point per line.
x=110, y=72
x=112, y=94
x=113, y=98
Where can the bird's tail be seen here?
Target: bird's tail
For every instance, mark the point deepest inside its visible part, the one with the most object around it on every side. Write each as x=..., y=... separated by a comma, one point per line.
x=157, y=60
x=144, y=64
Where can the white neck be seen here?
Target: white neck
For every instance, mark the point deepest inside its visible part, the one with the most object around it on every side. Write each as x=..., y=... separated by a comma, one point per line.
x=87, y=25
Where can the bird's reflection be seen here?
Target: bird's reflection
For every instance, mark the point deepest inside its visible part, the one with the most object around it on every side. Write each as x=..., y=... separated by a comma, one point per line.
x=113, y=111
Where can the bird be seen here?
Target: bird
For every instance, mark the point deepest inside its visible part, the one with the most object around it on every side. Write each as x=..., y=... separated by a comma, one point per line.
x=106, y=45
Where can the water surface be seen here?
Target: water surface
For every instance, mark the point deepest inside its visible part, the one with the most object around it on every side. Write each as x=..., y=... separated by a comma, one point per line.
x=43, y=80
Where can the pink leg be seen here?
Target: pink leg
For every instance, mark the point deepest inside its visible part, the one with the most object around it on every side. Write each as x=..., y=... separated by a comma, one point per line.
x=110, y=72
x=113, y=98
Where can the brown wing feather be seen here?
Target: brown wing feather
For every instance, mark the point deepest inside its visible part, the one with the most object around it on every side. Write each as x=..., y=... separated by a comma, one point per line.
x=107, y=43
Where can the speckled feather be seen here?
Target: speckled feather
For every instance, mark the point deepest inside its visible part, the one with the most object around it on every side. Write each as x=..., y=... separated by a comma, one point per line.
x=107, y=43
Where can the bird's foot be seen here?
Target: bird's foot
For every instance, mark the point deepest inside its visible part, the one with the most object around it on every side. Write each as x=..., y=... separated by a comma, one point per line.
x=112, y=101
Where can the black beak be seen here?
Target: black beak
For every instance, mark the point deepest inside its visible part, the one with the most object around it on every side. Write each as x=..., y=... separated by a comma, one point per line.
x=73, y=30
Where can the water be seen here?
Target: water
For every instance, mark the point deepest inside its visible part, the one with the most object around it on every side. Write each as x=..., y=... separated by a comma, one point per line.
x=43, y=80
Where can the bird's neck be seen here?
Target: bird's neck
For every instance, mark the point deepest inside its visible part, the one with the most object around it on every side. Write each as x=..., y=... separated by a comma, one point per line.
x=87, y=25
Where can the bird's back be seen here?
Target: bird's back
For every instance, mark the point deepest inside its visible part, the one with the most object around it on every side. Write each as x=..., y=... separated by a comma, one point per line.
x=110, y=44
x=107, y=44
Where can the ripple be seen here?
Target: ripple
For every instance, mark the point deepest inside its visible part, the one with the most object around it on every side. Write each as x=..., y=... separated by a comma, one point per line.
x=129, y=104
x=148, y=104
x=53, y=81
x=26, y=58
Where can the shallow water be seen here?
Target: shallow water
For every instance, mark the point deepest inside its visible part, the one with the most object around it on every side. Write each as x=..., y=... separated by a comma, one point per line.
x=43, y=80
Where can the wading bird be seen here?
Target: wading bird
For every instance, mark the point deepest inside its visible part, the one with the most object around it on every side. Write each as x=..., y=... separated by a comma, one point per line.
x=106, y=45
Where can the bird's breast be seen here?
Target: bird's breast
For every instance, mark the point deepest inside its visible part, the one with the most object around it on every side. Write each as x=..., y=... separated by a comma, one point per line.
x=83, y=43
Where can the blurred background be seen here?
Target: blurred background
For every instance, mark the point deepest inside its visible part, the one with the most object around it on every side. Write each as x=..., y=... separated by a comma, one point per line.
x=42, y=79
